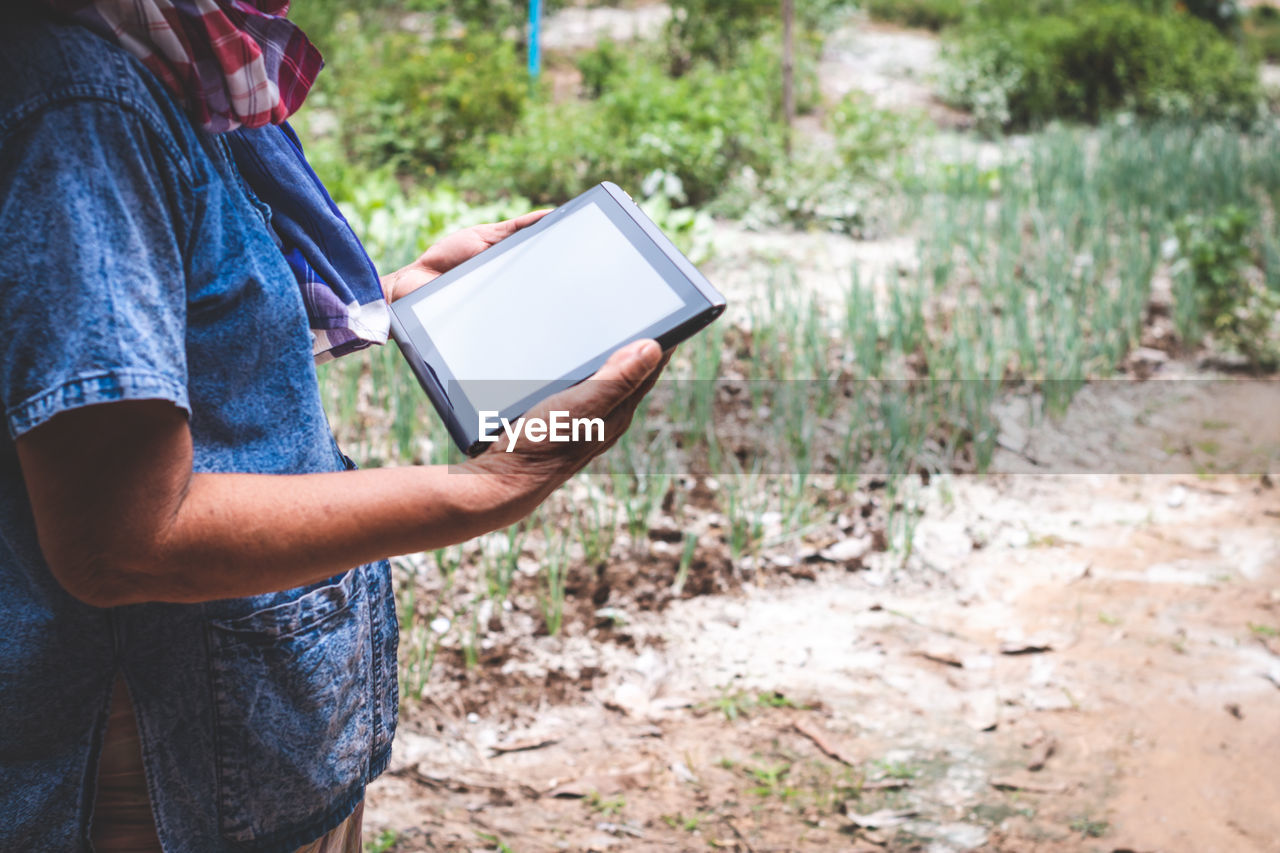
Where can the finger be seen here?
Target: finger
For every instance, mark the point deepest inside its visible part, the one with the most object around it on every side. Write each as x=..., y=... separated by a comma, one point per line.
x=619, y=378
x=529, y=218
x=619, y=420
x=501, y=230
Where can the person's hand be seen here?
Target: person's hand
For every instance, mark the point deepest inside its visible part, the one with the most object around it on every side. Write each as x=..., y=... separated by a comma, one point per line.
x=521, y=479
x=451, y=251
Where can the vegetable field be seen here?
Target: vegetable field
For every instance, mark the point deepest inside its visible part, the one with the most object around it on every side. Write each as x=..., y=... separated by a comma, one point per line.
x=956, y=532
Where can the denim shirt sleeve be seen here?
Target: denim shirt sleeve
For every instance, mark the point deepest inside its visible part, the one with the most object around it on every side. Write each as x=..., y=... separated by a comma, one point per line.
x=92, y=271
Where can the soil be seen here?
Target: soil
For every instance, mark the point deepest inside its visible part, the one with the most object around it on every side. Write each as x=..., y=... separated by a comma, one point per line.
x=1062, y=663
x=1057, y=662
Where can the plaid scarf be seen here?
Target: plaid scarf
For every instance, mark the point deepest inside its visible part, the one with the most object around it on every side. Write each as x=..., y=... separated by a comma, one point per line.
x=231, y=63
x=240, y=69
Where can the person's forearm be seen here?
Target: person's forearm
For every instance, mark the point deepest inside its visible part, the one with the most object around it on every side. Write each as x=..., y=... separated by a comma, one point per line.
x=122, y=518
x=242, y=534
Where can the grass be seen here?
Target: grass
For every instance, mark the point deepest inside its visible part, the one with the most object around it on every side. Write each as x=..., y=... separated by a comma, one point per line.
x=690, y=823
x=897, y=770
x=497, y=843
x=1089, y=827
x=686, y=561
x=770, y=781
x=382, y=842
x=736, y=704
x=605, y=806
x=555, y=571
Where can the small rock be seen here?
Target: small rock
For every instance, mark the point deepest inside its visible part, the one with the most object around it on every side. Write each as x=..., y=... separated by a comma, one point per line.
x=1144, y=361
x=620, y=829
x=440, y=625
x=630, y=699
x=963, y=836
x=683, y=773
x=848, y=551
x=666, y=532
x=1177, y=497
x=882, y=819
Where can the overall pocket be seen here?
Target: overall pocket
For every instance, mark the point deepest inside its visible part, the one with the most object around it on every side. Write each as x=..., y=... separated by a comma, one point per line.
x=293, y=726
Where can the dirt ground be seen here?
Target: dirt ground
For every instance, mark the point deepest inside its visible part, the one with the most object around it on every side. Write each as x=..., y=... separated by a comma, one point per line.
x=1063, y=663
x=1058, y=662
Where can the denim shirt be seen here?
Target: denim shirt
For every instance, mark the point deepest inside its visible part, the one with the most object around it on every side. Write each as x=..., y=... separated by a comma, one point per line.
x=134, y=264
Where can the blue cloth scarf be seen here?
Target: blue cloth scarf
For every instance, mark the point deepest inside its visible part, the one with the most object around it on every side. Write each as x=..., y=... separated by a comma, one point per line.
x=340, y=285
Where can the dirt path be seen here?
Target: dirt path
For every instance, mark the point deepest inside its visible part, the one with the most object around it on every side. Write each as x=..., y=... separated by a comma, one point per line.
x=1118, y=633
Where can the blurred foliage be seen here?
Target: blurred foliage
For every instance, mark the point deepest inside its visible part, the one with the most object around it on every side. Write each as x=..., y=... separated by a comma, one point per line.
x=939, y=14
x=429, y=89
x=1100, y=58
x=1261, y=29
x=436, y=90
x=718, y=30
x=928, y=14
x=701, y=127
x=833, y=184
x=1236, y=308
x=714, y=29
x=321, y=19
x=416, y=103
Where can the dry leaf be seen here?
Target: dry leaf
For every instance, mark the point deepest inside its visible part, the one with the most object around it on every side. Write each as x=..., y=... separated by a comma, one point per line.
x=882, y=819
x=941, y=656
x=523, y=745
x=1028, y=785
x=1025, y=647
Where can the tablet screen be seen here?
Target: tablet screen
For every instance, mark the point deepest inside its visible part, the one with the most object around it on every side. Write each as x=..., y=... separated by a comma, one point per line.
x=581, y=288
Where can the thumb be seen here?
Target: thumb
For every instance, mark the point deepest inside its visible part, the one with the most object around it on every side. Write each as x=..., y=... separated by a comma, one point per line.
x=619, y=378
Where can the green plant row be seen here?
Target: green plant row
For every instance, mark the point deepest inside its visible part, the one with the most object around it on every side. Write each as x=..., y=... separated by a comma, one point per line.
x=1034, y=276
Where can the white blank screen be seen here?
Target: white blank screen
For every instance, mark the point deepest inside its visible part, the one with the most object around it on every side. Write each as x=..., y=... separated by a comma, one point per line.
x=543, y=308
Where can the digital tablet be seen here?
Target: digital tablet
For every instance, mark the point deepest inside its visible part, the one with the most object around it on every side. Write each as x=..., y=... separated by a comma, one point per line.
x=544, y=309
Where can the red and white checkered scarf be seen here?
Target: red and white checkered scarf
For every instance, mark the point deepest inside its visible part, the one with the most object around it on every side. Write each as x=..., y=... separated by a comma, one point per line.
x=231, y=63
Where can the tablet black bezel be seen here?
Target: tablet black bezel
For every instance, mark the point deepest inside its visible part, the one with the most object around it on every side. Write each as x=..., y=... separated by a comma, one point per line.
x=702, y=303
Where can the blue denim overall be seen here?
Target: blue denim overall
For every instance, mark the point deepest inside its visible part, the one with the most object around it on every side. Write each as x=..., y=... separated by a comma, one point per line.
x=134, y=264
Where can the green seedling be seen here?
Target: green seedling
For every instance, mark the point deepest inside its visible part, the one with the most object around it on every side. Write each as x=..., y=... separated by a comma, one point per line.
x=1090, y=828
x=686, y=561
x=606, y=806
x=382, y=842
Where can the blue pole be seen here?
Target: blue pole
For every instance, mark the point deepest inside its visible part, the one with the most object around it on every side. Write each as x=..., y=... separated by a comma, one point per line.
x=535, y=35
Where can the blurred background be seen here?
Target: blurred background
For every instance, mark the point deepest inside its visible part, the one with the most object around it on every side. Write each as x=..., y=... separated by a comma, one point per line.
x=958, y=531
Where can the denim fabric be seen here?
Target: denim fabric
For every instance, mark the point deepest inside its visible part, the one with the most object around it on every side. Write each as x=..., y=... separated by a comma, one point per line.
x=135, y=264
